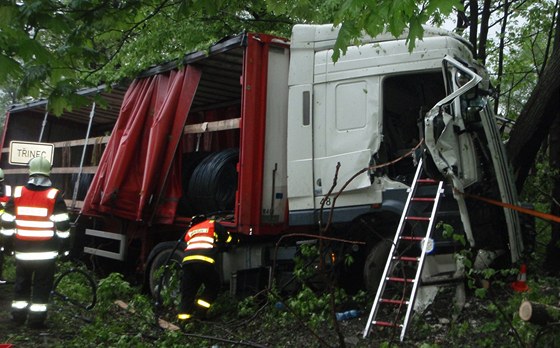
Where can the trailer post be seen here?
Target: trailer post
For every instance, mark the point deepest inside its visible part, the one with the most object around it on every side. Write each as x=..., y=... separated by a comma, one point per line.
x=77, y=183
x=44, y=124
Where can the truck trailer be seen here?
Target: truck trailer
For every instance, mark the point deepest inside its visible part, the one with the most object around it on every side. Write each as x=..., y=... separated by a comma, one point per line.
x=256, y=131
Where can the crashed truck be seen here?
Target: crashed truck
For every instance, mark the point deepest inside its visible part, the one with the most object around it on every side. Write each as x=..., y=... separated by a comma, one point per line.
x=256, y=130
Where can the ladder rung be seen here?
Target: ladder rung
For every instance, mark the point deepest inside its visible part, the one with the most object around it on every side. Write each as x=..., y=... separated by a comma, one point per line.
x=417, y=218
x=423, y=199
x=402, y=280
x=427, y=181
x=406, y=258
x=391, y=301
x=409, y=283
x=412, y=238
x=385, y=323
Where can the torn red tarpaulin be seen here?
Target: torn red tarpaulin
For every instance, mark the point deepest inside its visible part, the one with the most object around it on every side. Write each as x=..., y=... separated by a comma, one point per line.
x=138, y=169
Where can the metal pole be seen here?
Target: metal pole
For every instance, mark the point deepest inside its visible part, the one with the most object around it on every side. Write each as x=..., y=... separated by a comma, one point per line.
x=44, y=124
x=77, y=183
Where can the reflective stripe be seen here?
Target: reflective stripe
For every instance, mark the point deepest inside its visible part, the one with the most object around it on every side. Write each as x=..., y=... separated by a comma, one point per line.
x=32, y=211
x=183, y=316
x=19, y=304
x=229, y=238
x=202, y=303
x=63, y=234
x=192, y=246
x=34, y=224
x=202, y=239
x=198, y=257
x=38, y=307
x=52, y=193
x=60, y=217
x=35, y=233
x=8, y=191
x=200, y=242
x=8, y=217
x=7, y=232
x=46, y=255
x=17, y=191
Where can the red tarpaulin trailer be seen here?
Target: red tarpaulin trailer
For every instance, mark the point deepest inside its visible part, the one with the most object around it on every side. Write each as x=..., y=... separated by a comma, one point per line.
x=133, y=171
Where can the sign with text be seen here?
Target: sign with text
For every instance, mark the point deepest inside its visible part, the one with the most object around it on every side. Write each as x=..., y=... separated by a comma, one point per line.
x=22, y=151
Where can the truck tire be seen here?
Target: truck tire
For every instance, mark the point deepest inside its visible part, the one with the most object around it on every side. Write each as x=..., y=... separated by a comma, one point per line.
x=158, y=258
x=375, y=264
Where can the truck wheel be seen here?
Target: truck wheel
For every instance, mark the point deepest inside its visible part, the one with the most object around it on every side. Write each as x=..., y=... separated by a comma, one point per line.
x=375, y=264
x=168, y=278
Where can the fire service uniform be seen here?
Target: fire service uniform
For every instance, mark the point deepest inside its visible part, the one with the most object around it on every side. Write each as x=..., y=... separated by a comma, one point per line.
x=5, y=194
x=37, y=219
x=204, y=241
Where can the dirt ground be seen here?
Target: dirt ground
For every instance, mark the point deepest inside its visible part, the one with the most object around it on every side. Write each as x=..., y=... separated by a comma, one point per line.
x=7, y=327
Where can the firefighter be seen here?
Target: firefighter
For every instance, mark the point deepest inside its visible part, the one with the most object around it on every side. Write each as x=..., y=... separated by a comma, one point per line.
x=204, y=241
x=37, y=220
x=5, y=194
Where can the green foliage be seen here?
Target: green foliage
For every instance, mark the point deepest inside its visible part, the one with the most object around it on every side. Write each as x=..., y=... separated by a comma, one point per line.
x=170, y=284
x=113, y=288
x=396, y=17
x=487, y=322
x=9, y=270
x=311, y=306
x=308, y=255
x=536, y=190
x=247, y=306
x=53, y=47
x=448, y=232
x=526, y=42
x=74, y=287
x=48, y=46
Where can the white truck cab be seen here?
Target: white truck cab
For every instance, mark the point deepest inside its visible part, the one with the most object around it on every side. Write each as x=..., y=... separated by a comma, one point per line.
x=374, y=105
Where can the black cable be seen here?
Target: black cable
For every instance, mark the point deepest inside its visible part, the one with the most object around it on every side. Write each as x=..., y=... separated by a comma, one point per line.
x=91, y=283
x=158, y=299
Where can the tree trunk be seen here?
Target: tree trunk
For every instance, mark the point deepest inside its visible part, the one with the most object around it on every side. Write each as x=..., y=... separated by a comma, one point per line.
x=473, y=25
x=538, y=114
x=535, y=120
x=483, y=36
x=552, y=261
x=539, y=314
x=501, y=55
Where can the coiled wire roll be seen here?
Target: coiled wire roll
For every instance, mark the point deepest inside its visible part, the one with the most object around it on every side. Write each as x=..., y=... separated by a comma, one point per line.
x=213, y=183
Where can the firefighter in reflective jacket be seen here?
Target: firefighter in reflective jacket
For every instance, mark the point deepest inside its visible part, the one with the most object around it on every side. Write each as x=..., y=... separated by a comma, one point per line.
x=37, y=220
x=5, y=191
x=199, y=267
x=5, y=194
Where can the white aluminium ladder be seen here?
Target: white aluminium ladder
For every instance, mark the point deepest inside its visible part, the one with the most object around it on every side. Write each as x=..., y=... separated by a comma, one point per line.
x=406, y=258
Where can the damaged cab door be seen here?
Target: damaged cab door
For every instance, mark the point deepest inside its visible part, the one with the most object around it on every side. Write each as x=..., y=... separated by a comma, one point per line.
x=465, y=147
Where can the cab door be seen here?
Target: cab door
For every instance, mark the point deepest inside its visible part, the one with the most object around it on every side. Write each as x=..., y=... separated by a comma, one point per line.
x=450, y=145
x=450, y=140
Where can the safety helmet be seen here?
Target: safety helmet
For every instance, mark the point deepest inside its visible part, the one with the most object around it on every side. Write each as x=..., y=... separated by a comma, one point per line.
x=1, y=175
x=39, y=165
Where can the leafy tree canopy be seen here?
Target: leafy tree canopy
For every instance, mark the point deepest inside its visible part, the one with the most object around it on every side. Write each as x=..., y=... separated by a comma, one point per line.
x=51, y=48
